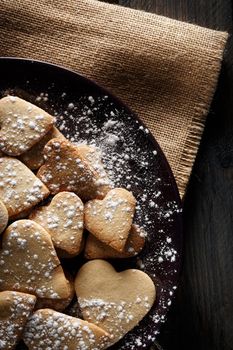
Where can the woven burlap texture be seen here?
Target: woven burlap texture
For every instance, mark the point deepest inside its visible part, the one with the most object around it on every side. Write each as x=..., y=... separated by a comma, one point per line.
x=165, y=70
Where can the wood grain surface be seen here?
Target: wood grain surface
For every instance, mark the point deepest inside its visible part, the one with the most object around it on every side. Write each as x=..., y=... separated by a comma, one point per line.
x=201, y=318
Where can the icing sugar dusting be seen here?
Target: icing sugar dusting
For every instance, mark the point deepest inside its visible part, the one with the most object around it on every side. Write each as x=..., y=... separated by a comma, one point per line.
x=131, y=163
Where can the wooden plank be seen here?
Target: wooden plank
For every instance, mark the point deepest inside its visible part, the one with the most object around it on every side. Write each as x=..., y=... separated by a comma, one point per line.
x=209, y=13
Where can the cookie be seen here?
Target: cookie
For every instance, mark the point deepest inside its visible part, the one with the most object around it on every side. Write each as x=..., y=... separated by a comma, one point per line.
x=48, y=329
x=110, y=219
x=15, y=308
x=114, y=301
x=93, y=157
x=20, y=189
x=34, y=157
x=63, y=219
x=58, y=304
x=3, y=216
x=22, y=215
x=95, y=249
x=22, y=125
x=65, y=169
x=29, y=262
x=64, y=255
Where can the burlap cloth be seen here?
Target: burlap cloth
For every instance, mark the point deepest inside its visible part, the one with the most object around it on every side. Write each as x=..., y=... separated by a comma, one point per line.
x=165, y=70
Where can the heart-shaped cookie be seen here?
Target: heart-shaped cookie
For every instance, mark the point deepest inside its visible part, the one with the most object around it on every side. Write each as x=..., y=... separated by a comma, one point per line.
x=15, y=308
x=110, y=219
x=65, y=169
x=3, y=216
x=95, y=249
x=48, y=329
x=63, y=220
x=114, y=301
x=34, y=157
x=29, y=262
x=20, y=189
x=22, y=125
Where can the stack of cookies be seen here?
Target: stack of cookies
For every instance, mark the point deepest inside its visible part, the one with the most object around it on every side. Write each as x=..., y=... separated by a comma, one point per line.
x=37, y=165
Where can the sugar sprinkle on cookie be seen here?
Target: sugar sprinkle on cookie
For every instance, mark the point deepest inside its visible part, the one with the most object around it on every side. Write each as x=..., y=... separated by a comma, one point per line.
x=63, y=219
x=66, y=169
x=48, y=329
x=114, y=301
x=36, y=268
x=110, y=219
x=20, y=189
x=15, y=309
x=22, y=125
x=34, y=157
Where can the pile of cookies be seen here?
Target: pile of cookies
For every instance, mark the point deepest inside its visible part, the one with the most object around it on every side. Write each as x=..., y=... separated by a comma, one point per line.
x=50, y=191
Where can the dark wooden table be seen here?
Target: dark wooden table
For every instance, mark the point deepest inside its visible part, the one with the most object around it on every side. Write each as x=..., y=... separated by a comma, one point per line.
x=202, y=315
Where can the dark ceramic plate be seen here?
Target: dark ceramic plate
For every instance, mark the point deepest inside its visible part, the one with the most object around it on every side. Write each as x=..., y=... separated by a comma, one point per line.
x=88, y=113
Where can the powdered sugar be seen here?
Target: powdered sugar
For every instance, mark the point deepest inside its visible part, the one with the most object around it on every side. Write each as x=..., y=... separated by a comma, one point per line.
x=35, y=268
x=63, y=219
x=16, y=308
x=20, y=129
x=132, y=162
x=48, y=329
x=20, y=189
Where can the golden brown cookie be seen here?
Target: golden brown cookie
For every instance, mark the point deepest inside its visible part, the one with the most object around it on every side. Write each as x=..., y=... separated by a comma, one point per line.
x=48, y=329
x=63, y=220
x=93, y=157
x=22, y=215
x=58, y=304
x=66, y=169
x=20, y=189
x=29, y=262
x=22, y=125
x=64, y=255
x=95, y=249
x=114, y=301
x=110, y=219
x=34, y=157
x=3, y=216
x=15, y=308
